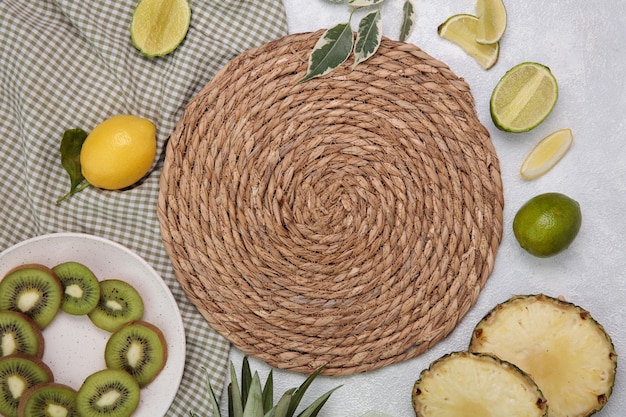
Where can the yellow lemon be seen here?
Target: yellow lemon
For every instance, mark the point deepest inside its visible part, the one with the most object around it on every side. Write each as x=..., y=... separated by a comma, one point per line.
x=118, y=152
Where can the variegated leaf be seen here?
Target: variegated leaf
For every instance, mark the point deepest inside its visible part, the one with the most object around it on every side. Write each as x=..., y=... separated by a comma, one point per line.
x=364, y=3
x=408, y=20
x=330, y=51
x=368, y=37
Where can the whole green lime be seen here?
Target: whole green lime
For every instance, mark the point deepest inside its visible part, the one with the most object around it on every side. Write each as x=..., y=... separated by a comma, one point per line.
x=547, y=224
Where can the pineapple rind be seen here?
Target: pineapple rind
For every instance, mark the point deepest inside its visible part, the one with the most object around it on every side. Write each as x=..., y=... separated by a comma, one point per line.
x=566, y=352
x=464, y=384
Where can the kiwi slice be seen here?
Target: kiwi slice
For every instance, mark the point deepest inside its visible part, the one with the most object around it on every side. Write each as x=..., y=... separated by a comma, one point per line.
x=18, y=373
x=110, y=393
x=119, y=303
x=19, y=334
x=81, y=290
x=48, y=400
x=138, y=348
x=34, y=290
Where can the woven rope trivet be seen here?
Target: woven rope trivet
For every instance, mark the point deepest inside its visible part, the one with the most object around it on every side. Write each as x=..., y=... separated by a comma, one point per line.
x=349, y=221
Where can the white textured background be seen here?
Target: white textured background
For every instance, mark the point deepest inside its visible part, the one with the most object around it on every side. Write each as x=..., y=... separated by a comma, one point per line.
x=584, y=43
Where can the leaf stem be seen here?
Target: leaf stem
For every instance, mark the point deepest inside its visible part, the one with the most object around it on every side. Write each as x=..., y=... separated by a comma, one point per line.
x=72, y=192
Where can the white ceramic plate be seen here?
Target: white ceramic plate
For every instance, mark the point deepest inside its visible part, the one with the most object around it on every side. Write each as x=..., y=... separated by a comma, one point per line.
x=74, y=347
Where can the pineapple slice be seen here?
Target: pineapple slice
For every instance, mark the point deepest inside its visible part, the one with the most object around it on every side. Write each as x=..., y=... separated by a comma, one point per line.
x=464, y=384
x=567, y=353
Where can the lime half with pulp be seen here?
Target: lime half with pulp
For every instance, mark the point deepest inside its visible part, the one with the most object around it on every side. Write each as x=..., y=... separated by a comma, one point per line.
x=523, y=97
x=159, y=26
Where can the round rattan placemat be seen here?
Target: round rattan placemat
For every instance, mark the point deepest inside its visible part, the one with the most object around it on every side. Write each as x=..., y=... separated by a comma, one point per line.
x=348, y=221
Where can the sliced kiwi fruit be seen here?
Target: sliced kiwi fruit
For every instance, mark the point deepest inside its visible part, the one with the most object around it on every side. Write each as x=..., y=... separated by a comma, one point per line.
x=34, y=290
x=110, y=393
x=48, y=400
x=18, y=373
x=119, y=303
x=138, y=348
x=81, y=290
x=19, y=334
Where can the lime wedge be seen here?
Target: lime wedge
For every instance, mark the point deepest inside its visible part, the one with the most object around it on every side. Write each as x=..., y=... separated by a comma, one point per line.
x=491, y=21
x=461, y=30
x=547, y=153
x=523, y=97
x=159, y=26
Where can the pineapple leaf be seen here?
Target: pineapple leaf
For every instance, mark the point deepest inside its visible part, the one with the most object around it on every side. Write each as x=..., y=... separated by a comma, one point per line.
x=234, y=398
x=212, y=397
x=299, y=393
x=282, y=407
x=246, y=380
x=315, y=407
x=254, y=405
x=268, y=392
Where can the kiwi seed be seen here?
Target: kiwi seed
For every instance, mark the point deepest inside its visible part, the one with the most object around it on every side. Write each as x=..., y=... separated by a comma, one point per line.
x=109, y=392
x=120, y=303
x=19, y=334
x=81, y=290
x=138, y=348
x=48, y=399
x=34, y=290
x=18, y=373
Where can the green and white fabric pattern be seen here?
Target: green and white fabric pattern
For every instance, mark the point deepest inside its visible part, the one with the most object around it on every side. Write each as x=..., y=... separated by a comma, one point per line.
x=70, y=64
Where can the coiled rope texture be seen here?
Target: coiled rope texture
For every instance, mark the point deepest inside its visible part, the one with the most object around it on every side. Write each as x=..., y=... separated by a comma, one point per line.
x=348, y=221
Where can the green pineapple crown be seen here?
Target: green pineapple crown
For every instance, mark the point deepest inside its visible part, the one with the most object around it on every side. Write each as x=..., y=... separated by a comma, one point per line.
x=252, y=400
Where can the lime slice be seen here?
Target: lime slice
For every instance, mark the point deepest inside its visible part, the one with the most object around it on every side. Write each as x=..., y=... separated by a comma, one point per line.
x=461, y=30
x=491, y=21
x=159, y=26
x=547, y=153
x=523, y=97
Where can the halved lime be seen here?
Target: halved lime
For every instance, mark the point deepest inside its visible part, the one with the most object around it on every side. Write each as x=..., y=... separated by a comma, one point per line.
x=461, y=30
x=547, y=153
x=523, y=97
x=159, y=26
x=491, y=16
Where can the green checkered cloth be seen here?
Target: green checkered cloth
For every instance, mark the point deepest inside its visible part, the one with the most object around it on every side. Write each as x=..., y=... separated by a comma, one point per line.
x=70, y=64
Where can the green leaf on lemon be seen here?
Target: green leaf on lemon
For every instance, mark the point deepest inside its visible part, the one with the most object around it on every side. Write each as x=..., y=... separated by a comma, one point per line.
x=71, y=144
x=368, y=38
x=330, y=51
x=408, y=20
